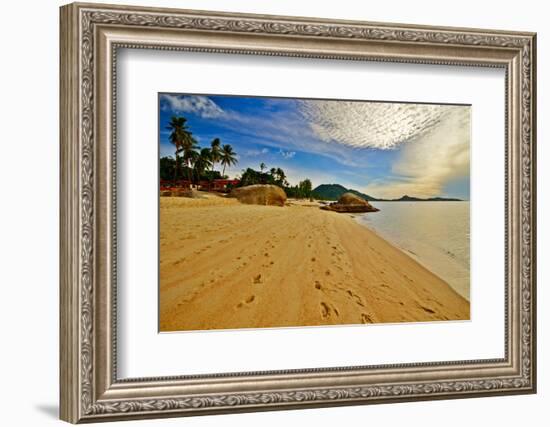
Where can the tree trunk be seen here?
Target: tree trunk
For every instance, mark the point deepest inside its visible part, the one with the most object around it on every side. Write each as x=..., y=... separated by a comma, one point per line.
x=190, y=174
x=212, y=172
x=176, y=169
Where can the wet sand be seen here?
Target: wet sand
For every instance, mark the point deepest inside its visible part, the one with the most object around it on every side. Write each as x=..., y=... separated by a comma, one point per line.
x=226, y=265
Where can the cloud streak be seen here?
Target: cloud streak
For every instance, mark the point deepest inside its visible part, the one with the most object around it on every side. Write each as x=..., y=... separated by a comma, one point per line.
x=381, y=126
x=196, y=104
x=432, y=159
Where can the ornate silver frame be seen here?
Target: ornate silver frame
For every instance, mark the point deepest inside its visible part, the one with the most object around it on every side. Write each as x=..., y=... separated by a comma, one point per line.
x=90, y=36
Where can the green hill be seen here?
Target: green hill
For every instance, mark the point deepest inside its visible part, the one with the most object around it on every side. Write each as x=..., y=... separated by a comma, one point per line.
x=334, y=191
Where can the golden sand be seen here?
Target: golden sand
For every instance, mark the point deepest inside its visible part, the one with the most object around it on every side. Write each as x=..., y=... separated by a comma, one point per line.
x=225, y=265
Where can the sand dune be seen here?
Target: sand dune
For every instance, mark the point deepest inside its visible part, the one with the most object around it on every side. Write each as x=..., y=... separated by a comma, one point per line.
x=225, y=265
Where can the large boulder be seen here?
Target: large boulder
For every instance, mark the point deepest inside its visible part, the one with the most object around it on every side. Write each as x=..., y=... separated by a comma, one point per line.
x=260, y=195
x=350, y=203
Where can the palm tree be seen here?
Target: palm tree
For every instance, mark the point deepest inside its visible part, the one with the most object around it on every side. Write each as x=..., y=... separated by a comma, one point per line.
x=227, y=157
x=203, y=161
x=215, y=151
x=262, y=167
x=177, y=126
x=281, y=176
x=190, y=154
x=183, y=139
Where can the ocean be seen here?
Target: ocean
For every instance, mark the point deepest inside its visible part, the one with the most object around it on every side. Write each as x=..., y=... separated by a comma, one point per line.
x=436, y=234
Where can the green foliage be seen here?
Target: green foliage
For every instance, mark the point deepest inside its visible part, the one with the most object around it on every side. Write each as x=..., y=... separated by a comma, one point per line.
x=227, y=157
x=301, y=191
x=252, y=177
x=167, y=168
x=229, y=187
x=184, y=142
x=194, y=161
x=277, y=176
x=203, y=161
x=215, y=150
x=210, y=175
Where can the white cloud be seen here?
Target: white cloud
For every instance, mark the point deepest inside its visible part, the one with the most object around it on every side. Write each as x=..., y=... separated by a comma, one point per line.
x=287, y=154
x=370, y=124
x=255, y=152
x=431, y=160
x=196, y=104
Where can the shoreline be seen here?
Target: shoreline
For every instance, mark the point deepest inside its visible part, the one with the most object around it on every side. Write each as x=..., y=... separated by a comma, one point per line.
x=224, y=265
x=445, y=257
x=459, y=288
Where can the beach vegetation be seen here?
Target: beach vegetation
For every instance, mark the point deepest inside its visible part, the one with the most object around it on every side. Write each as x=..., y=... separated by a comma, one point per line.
x=192, y=160
x=215, y=151
x=276, y=176
x=227, y=157
x=203, y=161
x=303, y=190
x=180, y=137
x=167, y=165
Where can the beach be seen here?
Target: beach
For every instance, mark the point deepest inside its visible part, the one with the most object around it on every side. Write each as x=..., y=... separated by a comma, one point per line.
x=436, y=234
x=227, y=265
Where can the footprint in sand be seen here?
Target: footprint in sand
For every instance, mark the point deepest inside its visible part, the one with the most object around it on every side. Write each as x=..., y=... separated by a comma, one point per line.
x=249, y=300
x=356, y=297
x=365, y=318
x=427, y=310
x=258, y=278
x=317, y=285
x=326, y=311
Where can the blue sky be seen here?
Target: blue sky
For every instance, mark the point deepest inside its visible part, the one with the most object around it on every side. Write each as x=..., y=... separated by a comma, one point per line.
x=382, y=149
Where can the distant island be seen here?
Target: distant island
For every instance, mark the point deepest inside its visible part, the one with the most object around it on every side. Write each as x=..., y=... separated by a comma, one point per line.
x=334, y=191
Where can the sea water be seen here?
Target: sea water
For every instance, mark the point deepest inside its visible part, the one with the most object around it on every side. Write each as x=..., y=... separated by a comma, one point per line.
x=436, y=234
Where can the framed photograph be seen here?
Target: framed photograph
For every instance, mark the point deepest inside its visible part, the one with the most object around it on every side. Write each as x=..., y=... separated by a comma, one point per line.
x=266, y=212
